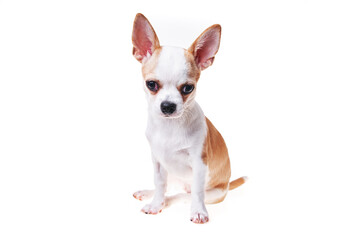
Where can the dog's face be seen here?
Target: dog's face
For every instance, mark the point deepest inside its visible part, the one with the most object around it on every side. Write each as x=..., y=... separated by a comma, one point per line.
x=171, y=73
x=170, y=77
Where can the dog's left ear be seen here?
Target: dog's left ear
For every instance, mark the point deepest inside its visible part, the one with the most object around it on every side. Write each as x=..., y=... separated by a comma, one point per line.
x=144, y=38
x=206, y=46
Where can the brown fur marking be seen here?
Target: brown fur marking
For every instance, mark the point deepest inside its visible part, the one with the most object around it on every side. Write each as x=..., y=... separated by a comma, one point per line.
x=148, y=68
x=215, y=156
x=193, y=70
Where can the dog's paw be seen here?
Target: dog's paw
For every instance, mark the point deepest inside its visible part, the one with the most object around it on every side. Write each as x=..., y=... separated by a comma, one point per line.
x=143, y=195
x=199, y=217
x=153, y=208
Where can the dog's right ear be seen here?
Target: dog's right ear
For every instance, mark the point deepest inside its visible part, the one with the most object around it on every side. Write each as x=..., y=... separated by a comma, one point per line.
x=144, y=38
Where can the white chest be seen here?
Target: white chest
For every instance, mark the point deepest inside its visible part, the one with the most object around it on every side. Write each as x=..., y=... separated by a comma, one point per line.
x=177, y=144
x=171, y=148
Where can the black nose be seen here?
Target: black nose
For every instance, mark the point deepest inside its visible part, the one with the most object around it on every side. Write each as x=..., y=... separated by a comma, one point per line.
x=168, y=107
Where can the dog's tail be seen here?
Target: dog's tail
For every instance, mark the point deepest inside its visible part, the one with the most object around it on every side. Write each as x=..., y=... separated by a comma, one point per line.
x=236, y=183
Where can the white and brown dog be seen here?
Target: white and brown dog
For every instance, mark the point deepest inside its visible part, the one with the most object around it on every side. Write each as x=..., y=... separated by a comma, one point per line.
x=184, y=143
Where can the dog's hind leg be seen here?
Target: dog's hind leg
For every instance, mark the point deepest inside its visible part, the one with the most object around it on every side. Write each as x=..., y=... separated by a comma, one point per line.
x=215, y=195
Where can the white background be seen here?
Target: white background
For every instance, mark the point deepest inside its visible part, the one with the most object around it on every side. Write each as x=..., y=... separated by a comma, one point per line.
x=283, y=91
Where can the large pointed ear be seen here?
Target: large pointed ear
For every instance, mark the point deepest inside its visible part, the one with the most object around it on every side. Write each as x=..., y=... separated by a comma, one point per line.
x=144, y=38
x=206, y=46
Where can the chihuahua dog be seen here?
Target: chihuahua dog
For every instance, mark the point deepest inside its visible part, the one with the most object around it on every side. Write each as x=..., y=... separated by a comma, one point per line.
x=184, y=143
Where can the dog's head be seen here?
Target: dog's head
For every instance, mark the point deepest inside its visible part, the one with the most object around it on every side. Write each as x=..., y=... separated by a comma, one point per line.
x=171, y=73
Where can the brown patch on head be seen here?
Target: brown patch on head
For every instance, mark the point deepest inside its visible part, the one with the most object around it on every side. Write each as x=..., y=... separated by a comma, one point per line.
x=193, y=70
x=148, y=69
x=149, y=66
x=193, y=75
x=215, y=156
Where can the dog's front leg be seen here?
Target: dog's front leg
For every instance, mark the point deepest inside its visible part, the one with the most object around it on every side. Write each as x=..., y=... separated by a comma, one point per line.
x=199, y=213
x=160, y=180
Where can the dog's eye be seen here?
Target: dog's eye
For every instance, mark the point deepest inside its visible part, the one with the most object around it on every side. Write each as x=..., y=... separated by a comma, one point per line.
x=186, y=89
x=152, y=85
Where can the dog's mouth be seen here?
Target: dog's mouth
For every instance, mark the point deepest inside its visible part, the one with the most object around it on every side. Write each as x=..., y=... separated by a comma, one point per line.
x=173, y=115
